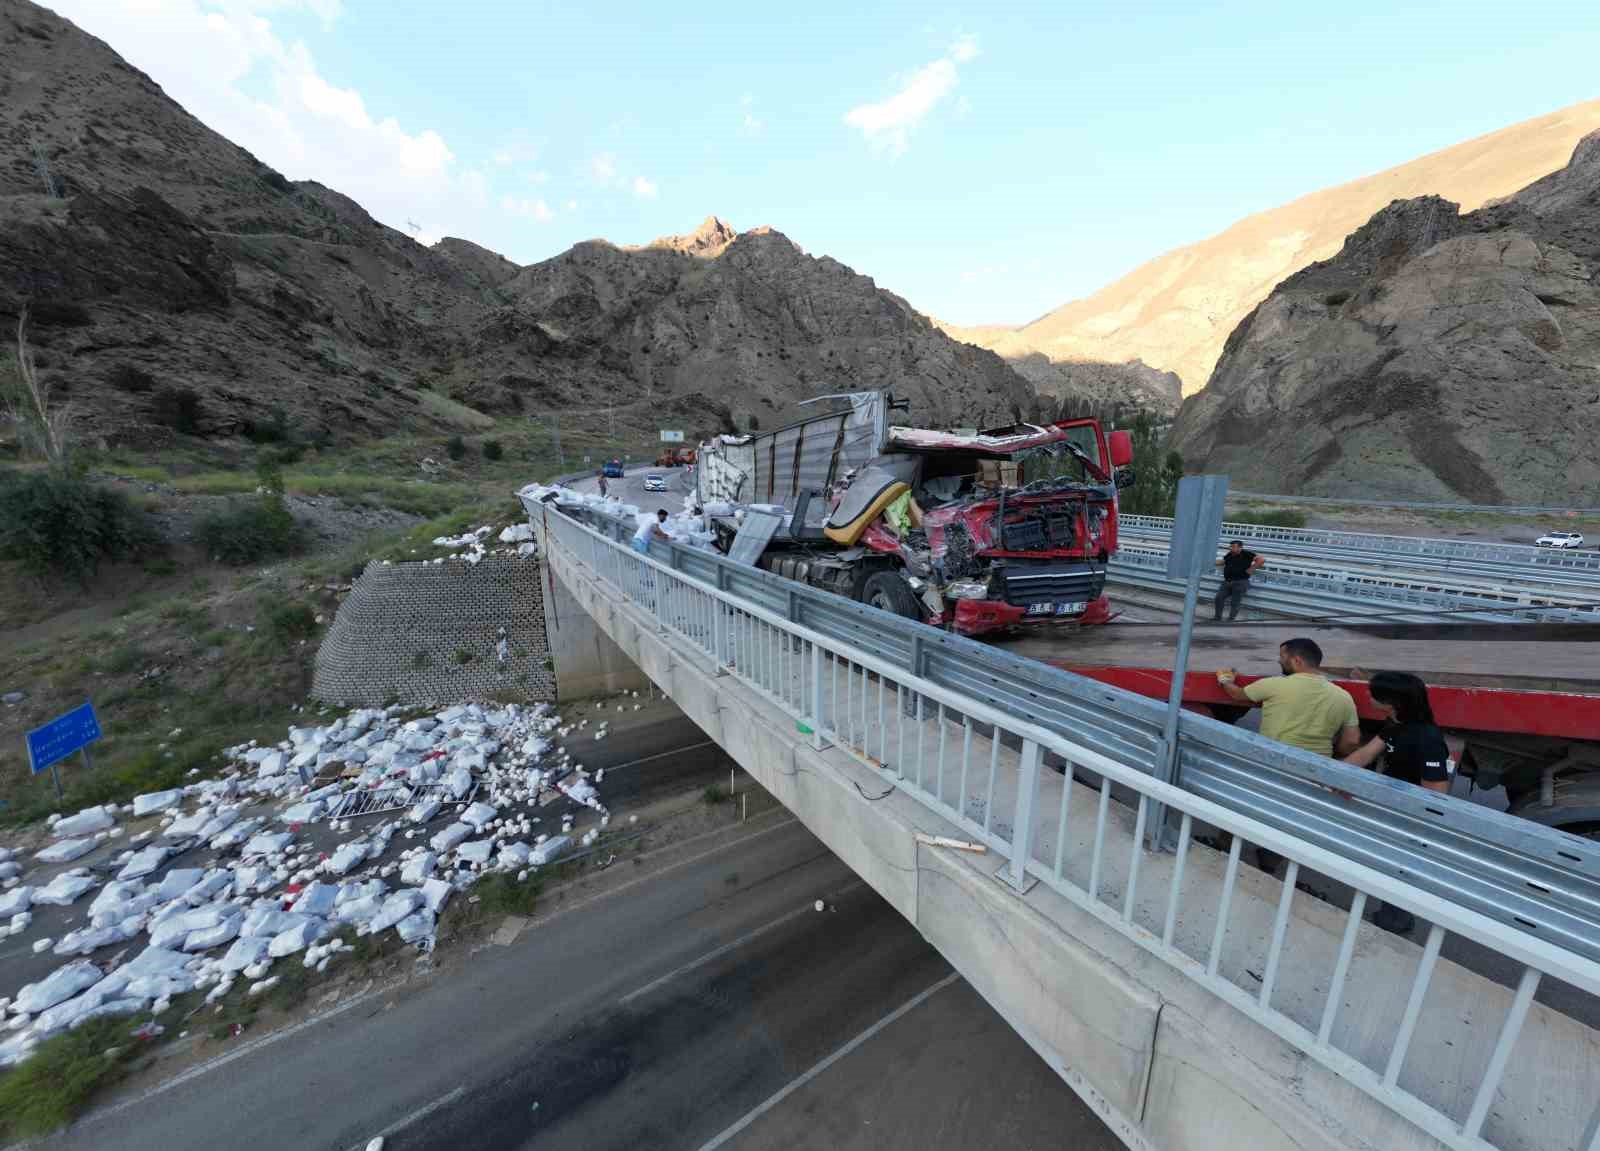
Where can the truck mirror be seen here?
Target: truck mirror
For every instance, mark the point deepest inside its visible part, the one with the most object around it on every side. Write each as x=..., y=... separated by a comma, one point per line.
x=1121, y=449
x=1126, y=477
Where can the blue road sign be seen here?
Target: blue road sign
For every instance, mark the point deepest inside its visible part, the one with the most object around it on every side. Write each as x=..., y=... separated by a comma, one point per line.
x=62, y=736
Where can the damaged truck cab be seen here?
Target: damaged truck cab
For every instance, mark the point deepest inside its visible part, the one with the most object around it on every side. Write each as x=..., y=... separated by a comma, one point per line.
x=977, y=530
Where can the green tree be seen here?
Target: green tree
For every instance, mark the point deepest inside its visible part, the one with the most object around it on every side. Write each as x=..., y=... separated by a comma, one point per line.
x=1158, y=471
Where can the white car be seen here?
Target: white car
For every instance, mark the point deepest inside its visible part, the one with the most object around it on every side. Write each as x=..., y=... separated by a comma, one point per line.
x=654, y=483
x=1559, y=540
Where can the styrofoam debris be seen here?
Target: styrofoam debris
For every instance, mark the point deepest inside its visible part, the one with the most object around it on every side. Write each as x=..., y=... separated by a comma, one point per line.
x=246, y=951
x=178, y=881
x=417, y=925
x=86, y=822
x=451, y=837
x=65, y=851
x=434, y=894
x=476, y=853
x=316, y=899
x=478, y=816
x=16, y=901
x=549, y=849
x=144, y=861
x=155, y=801
x=418, y=867
x=57, y=987
x=63, y=889
x=297, y=937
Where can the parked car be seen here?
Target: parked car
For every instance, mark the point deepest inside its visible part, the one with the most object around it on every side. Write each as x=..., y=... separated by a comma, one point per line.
x=1560, y=540
x=655, y=483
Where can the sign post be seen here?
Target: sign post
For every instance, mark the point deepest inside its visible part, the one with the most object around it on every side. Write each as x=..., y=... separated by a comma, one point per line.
x=50, y=744
x=1196, y=527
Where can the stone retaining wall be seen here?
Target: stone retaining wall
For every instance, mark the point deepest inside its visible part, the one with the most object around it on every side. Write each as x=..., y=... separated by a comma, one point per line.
x=424, y=633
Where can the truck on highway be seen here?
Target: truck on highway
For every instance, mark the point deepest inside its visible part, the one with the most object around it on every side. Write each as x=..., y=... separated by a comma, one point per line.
x=675, y=456
x=977, y=530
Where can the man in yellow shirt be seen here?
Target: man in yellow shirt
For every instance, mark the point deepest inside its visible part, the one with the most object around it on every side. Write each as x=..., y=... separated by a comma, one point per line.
x=1302, y=708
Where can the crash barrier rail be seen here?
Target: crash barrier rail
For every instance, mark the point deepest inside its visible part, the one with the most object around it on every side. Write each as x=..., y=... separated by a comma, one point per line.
x=1363, y=502
x=1299, y=590
x=1538, y=563
x=859, y=678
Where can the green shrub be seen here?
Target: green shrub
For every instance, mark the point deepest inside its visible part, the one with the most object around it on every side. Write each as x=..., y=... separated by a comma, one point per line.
x=456, y=448
x=60, y=524
x=288, y=620
x=54, y=1083
x=272, y=430
x=492, y=450
x=1278, y=518
x=252, y=530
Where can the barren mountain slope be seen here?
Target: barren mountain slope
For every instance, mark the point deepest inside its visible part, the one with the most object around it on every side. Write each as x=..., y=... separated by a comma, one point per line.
x=1175, y=312
x=156, y=257
x=1437, y=356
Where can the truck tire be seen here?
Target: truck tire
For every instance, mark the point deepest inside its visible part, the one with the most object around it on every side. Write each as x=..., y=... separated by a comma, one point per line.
x=888, y=591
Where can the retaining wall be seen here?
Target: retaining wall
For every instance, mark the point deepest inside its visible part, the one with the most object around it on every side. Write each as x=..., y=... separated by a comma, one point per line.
x=424, y=633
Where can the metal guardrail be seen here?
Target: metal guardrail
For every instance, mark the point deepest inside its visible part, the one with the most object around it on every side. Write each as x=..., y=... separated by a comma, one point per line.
x=1540, y=563
x=1466, y=871
x=1288, y=590
x=1362, y=501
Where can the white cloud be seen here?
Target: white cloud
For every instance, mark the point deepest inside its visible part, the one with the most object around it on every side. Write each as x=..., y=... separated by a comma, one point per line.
x=572, y=205
x=888, y=124
x=224, y=62
x=752, y=123
x=603, y=168
x=539, y=176
x=526, y=209
x=504, y=158
x=644, y=189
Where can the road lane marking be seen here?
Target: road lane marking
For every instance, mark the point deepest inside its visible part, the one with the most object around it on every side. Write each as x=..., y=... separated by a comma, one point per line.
x=795, y=1084
x=661, y=755
x=717, y=952
x=420, y=1113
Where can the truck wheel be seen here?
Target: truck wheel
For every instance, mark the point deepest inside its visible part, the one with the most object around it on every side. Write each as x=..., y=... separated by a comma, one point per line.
x=886, y=590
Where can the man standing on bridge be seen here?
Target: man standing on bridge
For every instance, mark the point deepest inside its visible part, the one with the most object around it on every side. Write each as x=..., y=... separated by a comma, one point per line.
x=1236, y=567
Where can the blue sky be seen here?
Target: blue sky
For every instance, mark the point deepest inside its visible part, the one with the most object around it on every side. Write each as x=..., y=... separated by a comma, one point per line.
x=988, y=162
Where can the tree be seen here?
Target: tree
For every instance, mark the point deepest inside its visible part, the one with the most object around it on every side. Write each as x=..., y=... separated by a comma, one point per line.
x=1158, y=471
x=41, y=424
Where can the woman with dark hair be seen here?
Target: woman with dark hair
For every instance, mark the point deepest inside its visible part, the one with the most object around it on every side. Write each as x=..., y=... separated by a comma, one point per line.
x=1413, y=749
x=1411, y=744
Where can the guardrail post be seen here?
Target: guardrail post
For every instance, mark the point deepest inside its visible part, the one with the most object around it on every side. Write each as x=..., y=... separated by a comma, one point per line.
x=817, y=741
x=916, y=655
x=1022, y=824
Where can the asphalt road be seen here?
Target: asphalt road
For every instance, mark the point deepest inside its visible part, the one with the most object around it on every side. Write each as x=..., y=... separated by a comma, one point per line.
x=666, y=1014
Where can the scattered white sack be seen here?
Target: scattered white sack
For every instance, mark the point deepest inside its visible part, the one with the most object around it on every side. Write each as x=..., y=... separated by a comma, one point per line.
x=186, y=826
x=65, y=851
x=316, y=899
x=450, y=838
x=15, y=901
x=514, y=854
x=344, y=860
x=303, y=812
x=208, y=937
x=271, y=764
x=246, y=951
x=263, y=985
x=516, y=534
x=458, y=782
x=219, y=822
x=549, y=849
x=395, y=908
x=143, y=862
x=87, y=939
x=253, y=879
x=477, y=852
x=19, y=1047
x=156, y=801
x=63, y=889
x=268, y=843
x=57, y=987
x=425, y=810
x=418, y=868
x=417, y=925
x=212, y=884
x=297, y=938
x=434, y=894
x=478, y=815
x=19, y=922
x=269, y=921
x=235, y=835
x=178, y=881
x=359, y=911
x=86, y=822
x=40, y=946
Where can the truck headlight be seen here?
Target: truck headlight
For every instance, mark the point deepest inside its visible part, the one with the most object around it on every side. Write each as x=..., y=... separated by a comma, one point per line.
x=966, y=589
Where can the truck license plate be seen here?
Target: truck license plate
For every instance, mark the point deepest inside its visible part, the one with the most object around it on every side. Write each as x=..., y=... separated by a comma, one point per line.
x=1074, y=607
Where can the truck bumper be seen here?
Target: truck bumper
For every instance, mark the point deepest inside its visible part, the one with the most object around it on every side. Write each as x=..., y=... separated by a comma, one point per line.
x=983, y=616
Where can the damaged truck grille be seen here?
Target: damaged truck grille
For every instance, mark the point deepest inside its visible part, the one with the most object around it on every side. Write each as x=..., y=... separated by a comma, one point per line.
x=1024, y=584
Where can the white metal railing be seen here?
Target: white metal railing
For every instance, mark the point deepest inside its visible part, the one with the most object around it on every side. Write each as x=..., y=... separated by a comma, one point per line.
x=981, y=770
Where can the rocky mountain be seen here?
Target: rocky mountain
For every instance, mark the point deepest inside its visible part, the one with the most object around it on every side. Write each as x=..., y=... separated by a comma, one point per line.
x=158, y=260
x=1175, y=312
x=1437, y=356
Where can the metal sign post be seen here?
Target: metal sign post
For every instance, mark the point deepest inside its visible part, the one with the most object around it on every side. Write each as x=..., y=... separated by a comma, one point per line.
x=1196, y=527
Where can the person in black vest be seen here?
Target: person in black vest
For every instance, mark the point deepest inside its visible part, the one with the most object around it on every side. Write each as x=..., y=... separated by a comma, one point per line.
x=1413, y=749
x=1236, y=565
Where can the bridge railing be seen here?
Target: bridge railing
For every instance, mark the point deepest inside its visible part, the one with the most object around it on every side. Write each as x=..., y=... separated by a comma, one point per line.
x=982, y=762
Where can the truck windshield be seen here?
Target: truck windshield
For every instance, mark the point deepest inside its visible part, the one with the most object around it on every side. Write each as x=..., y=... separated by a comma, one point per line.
x=1066, y=465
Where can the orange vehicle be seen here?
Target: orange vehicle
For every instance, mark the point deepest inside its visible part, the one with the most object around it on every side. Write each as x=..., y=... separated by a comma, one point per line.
x=675, y=457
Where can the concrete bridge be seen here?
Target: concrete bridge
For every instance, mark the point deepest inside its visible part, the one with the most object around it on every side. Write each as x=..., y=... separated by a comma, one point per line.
x=1193, y=1000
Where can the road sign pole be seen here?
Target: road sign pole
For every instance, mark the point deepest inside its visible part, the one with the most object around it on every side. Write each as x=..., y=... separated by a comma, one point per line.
x=55, y=774
x=1196, y=525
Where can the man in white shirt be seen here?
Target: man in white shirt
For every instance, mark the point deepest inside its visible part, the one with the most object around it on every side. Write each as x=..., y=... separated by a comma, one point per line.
x=650, y=529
